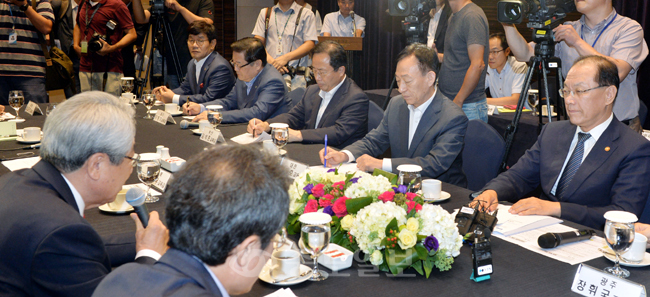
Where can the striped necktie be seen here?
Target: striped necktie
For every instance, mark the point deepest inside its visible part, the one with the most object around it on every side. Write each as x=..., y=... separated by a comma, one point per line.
x=572, y=166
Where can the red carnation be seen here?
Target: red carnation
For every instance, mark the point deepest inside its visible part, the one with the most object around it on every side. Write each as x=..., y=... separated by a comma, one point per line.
x=412, y=204
x=312, y=206
x=318, y=191
x=339, y=207
x=387, y=196
x=410, y=196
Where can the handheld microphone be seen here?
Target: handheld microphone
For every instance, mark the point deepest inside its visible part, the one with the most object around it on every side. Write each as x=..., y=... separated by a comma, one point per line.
x=551, y=240
x=135, y=197
x=187, y=124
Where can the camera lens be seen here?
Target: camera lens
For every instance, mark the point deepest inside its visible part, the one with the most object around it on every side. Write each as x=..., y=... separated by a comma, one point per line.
x=513, y=11
x=402, y=5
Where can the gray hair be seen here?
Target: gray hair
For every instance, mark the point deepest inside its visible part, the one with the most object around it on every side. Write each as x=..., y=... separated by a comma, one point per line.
x=87, y=123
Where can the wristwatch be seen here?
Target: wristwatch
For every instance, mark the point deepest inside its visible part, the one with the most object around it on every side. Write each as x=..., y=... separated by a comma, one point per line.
x=24, y=6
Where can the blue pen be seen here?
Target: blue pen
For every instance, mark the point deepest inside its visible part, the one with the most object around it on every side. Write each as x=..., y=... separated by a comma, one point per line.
x=325, y=155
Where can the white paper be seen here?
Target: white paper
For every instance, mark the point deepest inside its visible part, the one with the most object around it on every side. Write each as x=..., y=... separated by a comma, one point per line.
x=510, y=224
x=284, y=292
x=7, y=116
x=572, y=253
x=343, y=168
x=247, y=138
x=24, y=163
x=646, y=134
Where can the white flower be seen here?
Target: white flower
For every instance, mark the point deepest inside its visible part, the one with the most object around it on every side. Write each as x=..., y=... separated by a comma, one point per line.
x=407, y=239
x=369, y=227
x=439, y=223
x=376, y=258
x=368, y=186
x=347, y=222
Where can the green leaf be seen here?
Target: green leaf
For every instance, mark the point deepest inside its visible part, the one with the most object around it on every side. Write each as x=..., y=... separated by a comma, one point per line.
x=418, y=267
x=392, y=177
x=392, y=226
x=398, y=259
x=356, y=204
x=308, y=178
x=428, y=266
x=422, y=251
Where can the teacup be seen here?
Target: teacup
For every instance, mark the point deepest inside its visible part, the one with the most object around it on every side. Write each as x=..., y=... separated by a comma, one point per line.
x=431, y=188
x=172, y=108
x=204, y=124
x=119, y=201
x=285, y=264
x=128, y=97
x=32, y=134
x=636, y=253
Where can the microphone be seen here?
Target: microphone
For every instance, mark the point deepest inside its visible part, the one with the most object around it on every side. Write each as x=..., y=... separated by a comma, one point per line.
x=353, y=23
x=551, y=240
x=135, y=196
x=187, y=124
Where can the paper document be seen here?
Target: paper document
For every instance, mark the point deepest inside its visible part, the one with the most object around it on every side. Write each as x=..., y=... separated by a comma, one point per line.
x=24, y=163
x=284, y=292
x=343, y=168
x=247, y=138
x=510, y=224
x=572, y=253
x=7, y=116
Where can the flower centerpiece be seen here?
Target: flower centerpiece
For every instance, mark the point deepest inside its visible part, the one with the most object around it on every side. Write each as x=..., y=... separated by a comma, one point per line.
x=393, y=227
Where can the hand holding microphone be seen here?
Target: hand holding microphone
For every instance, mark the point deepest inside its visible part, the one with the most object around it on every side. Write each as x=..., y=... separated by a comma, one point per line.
x=150, y=232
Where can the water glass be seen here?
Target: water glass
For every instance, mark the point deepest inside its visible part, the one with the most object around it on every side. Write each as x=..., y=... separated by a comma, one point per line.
x=16, y=101
x=148, y=169
x=315, y=239
x=410, y=176
x=619, y=233
x=148, y=99
x=280, y=134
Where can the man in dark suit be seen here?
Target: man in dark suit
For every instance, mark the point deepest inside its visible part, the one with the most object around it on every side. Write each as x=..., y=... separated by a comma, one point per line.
x=335, y=107
x=222, y=209
x=438, y=25
x=421, y=126
x=585, y=167
x=258, y=93
x=48, y=248
x=208, y=76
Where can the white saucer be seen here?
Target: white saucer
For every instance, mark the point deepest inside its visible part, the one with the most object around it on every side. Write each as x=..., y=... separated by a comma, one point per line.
x=443, y=196
x=21, y=140
x=265, y=275
x=126, y=208
x=174, y=114
x=159, y=103
x=643, y=263
x=197, y=131
x=17, y=121
x=189, y=118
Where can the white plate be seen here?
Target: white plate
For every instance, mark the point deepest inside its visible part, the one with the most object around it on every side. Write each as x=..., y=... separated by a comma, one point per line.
x=265, y=275
x=197, y=131
x=126, y=208
x=21, y=140
x=443, y=196
x=174, y=114
x=643, y=263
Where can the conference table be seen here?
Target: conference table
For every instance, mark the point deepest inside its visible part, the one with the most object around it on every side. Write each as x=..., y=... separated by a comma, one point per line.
x=517, y=271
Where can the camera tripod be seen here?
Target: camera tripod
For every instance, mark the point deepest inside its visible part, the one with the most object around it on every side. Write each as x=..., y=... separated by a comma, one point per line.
x=162, y=40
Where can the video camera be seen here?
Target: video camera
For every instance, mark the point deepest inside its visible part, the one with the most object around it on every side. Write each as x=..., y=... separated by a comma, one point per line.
x=540, y=14
x=157, y=6
x=94, y=44
x=416, y=13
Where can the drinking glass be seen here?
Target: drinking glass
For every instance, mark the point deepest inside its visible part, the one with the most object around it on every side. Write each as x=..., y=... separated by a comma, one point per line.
x=619, y=232
x=16, y=101
x=215, y=117
x=533, y=101
x=148, y=100
x=280, y=134
x=410, y=176
x=127, y=84
x=50, y=108
x=315, y=238
x=148, y=168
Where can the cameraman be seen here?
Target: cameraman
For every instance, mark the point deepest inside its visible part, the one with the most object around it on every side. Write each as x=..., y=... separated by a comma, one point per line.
x=102, y=63
x=600, y=31
x=190, y=10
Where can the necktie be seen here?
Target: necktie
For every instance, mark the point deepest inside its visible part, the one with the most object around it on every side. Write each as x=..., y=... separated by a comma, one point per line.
x=572, y=166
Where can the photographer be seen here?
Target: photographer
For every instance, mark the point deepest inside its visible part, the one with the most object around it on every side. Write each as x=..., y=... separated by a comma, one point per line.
x=191, y=11
x=103, y=28
x=600, y=31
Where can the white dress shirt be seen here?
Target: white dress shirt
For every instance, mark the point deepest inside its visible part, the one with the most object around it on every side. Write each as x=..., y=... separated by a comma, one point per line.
x=199, y=65
x=433, y=26
x=327, y=97
x=222, y=290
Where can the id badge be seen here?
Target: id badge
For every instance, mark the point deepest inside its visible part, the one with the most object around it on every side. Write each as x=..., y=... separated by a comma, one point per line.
x=13, y=37
x=84, y=47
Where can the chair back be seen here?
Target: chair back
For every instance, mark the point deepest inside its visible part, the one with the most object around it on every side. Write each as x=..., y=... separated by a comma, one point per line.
x=295, y=96
x=375, y=115
x=645, y=216
x=482, y=154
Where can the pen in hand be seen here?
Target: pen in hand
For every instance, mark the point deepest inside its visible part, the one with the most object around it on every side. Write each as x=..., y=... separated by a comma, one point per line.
x=254, y=124
x=325, y=153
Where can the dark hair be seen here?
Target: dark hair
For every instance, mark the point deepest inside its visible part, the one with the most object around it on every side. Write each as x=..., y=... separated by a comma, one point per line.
x=221, y=197
x=198, y=27
x=606, y=71
x=252, y=48
x=502, y=38
x=337, y=54
x=427, y=57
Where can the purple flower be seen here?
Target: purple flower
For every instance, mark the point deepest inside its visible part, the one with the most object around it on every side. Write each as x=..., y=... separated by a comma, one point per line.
x=355, y=179
x=328, y=210
x=401, y=189
x=308, y=188
x=331, y=170
x=431, y=243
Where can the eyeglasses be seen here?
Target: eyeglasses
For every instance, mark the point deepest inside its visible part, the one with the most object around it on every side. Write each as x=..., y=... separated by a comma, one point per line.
x=496, y=52
x=134, y=159
x=321, y=73
x=234, y=64
x=198, y=42
x=577, y=93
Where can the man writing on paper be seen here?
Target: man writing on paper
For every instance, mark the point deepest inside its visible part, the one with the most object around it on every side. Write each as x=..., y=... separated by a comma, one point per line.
x=209, y=75
x=335, y=106
x=222, y=210
x=586, y=166
x=87, y=155
x=421, y=126
x=258, y=93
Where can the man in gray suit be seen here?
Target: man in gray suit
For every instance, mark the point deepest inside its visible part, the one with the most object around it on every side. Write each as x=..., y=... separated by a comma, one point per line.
x=421, y=126
x=222, y=211
x=258, y=93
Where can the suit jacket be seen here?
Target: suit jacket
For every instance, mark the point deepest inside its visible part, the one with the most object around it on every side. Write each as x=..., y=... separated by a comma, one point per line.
x=436, y=145
x=614, y=176
x=48, y=248
x=216, y=80
x=344, y=121
x=441, y=30
x=266, y=99
x=176, y=274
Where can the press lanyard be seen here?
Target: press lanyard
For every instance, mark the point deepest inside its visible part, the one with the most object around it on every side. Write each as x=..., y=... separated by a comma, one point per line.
x=13, y=36
x=275, y=16
x=88, y=21
x=601, y=31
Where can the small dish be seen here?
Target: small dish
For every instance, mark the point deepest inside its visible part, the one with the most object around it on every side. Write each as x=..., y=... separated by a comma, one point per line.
x=265, y=275
x=643, y=263
x=20, y=139
x=197, y=131
x=443, y=196
x=126, y=208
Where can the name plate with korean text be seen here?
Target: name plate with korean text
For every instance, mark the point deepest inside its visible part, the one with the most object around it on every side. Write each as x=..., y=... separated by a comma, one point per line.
x=492, y=109
x=295, y=168
x=32, y=107
x=161, y=182
x=212, y=136
x=163, y=117
x=590, y=281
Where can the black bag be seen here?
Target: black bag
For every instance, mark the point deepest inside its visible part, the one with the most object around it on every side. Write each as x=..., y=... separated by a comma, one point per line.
x=59, y=73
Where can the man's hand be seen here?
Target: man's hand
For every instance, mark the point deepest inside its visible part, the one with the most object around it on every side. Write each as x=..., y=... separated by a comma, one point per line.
x=567, y=34
x=2, y=109
x=106, y=48
x=536, y=206
x=257, y=126
x=154, y=237
x=295, y=135
x=333, y=157
x=488, y=199
x=279, y=63
x=191, y=108
x=201, y=116
x=643, y=229
x=164, y=94
x=368, y=163
x=172, y=4
x=77, y=49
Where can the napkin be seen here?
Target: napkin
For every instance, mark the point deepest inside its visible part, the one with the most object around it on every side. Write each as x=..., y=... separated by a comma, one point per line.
x=284, y=292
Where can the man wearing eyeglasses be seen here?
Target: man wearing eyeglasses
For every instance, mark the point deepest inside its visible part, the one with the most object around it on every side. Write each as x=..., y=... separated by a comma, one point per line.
x=258, y=93
x=335, y=106
x=586, y=166
x=209, y=75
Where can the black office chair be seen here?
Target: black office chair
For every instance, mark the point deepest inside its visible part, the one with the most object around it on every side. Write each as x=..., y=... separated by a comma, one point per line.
x=375, y=115
x=482, y=154
x=295, y=96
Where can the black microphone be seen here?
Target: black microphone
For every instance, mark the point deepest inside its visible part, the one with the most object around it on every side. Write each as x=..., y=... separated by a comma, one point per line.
x=187, y=124
x=353, y=23
x=135, y=196
x=551, y=240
